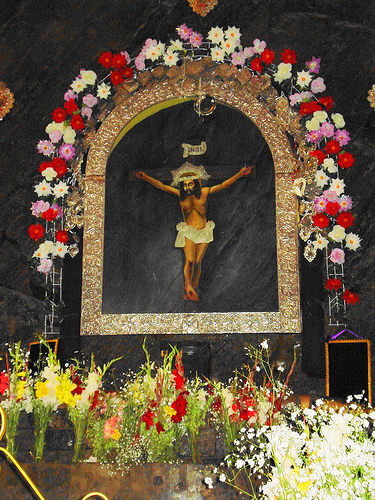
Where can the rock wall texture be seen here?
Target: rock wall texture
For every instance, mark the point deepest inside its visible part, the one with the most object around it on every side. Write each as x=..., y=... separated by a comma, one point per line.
x=45, y=44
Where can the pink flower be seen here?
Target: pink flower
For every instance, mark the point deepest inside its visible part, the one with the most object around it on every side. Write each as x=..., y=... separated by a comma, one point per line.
x=259, y=46
x=184, y=32
x=318, y=85
x=90, y=100
x=327, y=129
x=67, y=151
x=86, y=112
x=337, y=256
x=139, y=62
x=127, y=57
x=345, y=203
x=38, y=207
x=45, y=147
x=314, y=136
x=313, y=65
x=196, y=39
x=58, y=209
x=110, y=427
x=330, y=195
x=55, y=136
x=342, y=136
x=70, y=95
x=150, y=42
x=320, y=204
x=238, y=58
x=295, y=98
x=248, y=52
x=45, y=266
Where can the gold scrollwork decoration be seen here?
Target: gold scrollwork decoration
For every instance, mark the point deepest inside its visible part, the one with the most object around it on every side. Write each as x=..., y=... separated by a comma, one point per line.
x=202, y=7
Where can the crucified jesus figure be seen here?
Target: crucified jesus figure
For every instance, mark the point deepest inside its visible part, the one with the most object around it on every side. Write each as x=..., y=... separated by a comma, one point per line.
x=195, y=232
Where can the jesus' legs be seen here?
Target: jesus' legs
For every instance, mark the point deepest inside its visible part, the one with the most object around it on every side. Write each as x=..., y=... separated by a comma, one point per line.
x=189, y=267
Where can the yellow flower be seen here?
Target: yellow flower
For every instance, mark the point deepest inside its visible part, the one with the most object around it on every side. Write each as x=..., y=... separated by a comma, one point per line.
x=115, y=435
x=20, y=390
x=169, y=411
x=304, y=486
x=64, y=391
x=41, y=389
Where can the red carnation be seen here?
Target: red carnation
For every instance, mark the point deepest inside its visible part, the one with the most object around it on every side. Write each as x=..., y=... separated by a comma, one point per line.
x=60, y=166
x=117, y=77
x=350, y=297
x=62, y=236
x=36, y=231
x=320, y=220
x=332, y=147
x=267, y=56
x=333, y=284
x=159, y=427
x=106, y=59
x=128, y=72
x=59, y=115
x=308, y=108
x=77, y=123
x=44, y=165
x=70, y=106
x=327, y=102
x=148, y=419
x=288, y=56
x=50, y=214
x=332, y=208
x=318, y=153
x=345, y=219
x=345, y=160
x=118, y=61
x=256, y=65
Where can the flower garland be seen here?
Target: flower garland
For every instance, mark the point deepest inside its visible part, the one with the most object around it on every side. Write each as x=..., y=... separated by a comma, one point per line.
x=328, y=213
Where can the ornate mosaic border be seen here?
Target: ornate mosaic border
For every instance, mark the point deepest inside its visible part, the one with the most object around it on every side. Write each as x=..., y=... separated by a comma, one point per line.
x=254, y=97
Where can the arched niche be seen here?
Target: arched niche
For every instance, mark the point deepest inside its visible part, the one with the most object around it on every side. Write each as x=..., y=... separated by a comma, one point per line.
x=135, y=104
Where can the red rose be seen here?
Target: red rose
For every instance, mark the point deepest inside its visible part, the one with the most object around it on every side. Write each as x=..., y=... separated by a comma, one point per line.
x=159, y=427
x=332, y=208
x=118, y=61
x=332, y=147
x=333, y=284
x=320, y=220
x=128, y=72
x=345, y=219
x=288, y=56
x=267, y=56
x=117, y=77
x=345, y=160
x=49, y=214
x=60, y=166
x=256, y=65
x=77, y=123
x=70, y=106
x=62, y=236
x=59, y=115
x=148, y=419
x=327, y=102
x=350, y=297
x=318, y=153
x=36, y=231
x=106, y=59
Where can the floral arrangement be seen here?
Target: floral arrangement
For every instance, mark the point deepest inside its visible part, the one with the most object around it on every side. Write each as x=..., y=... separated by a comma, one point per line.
x=323, y=452
x=328, y=210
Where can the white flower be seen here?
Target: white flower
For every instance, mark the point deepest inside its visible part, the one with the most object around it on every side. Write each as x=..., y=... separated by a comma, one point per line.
x=209, y=482
x=89, y=77
x=233, y=33
x=78, y=85
x=228, y=46
x=43, y=188
x=337, y=233
x=60, y=190
x=321, y=116
x=313, y=124
x=284, y=71
x=321, y=178
x=222, y=477
x=352, y=241
x=60, y=249
x=153, y=52
x=320, y=242
x=337, y=185
x=217, y=54
x=303, y=78
x=338, y=120
x=176, y=45
x=103, y=91
x=69, y=135
x=240, y=463
x=216, y=35
x=44, y=250
x=49, y=174
x=329, y=164
x=170, y=58
x=264, y=344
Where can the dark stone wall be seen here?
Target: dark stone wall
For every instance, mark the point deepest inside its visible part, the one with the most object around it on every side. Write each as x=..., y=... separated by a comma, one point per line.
x=45, y=44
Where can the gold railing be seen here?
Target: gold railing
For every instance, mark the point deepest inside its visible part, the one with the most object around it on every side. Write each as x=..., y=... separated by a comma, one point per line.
x=23, y=473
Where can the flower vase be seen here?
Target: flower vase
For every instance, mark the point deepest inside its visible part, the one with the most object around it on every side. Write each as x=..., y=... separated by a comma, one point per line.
x=39, y=445
x=194, y=447
x=80, y=432
x=12, y=419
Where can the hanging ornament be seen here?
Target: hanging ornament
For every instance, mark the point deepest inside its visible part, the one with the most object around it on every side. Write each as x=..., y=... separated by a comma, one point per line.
x=202, y=7
x=309, y=252
x=6, y=100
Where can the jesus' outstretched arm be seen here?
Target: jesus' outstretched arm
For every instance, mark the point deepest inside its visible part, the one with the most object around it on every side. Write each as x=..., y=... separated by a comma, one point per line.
x=228, y=182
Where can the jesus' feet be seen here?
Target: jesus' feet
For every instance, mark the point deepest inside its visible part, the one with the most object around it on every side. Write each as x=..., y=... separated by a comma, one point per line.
x=190, y=293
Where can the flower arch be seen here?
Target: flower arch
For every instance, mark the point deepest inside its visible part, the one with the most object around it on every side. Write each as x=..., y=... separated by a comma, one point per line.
x=295, y=97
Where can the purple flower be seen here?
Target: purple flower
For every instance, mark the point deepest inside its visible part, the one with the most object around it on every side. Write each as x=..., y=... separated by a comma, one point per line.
x=314, y=136
x=90, y=100
x=318, y=86
x=313, y=65
x=337, y=256
x=342, y=136
x=67, y=151
x=327, y=129
x=184, y=32
x=196, y=39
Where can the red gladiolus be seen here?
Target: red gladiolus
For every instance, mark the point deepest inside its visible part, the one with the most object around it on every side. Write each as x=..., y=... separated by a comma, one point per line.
x=94, y=400
x=308, y=108
x=70, y=106
x=216, y=404
x=267, y=56
x=4, y=383
x=117, y=77
x=59, y=115
x=77, y=123
x=332, y=147
x=350, y=297
x=128, y=72
x=345, y=219
x=60, y=166
x=148, y=419
x=179, y=405
x=79, y=389
x=333, y=284
x=36, y=231
x=318, y=153
x=327, y=102
x=49, y=214
x=288, y=56
x=62, y=236
x=118, y=61
x=345, y=160
x=320, y=220
x=256, y=65
x=159, y=427
x=106, y=59
x=332, y=208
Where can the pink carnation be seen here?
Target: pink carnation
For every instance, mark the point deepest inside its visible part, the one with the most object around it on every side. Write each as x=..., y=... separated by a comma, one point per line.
x=330, y=195
x=327, y=129
x=337, y=256
x=342, y=136
x=314, y=136
x=320, y=204
x=318, y=86
x=345, y=203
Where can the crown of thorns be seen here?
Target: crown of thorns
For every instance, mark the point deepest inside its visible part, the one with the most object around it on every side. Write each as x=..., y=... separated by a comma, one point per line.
x=188, y=171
